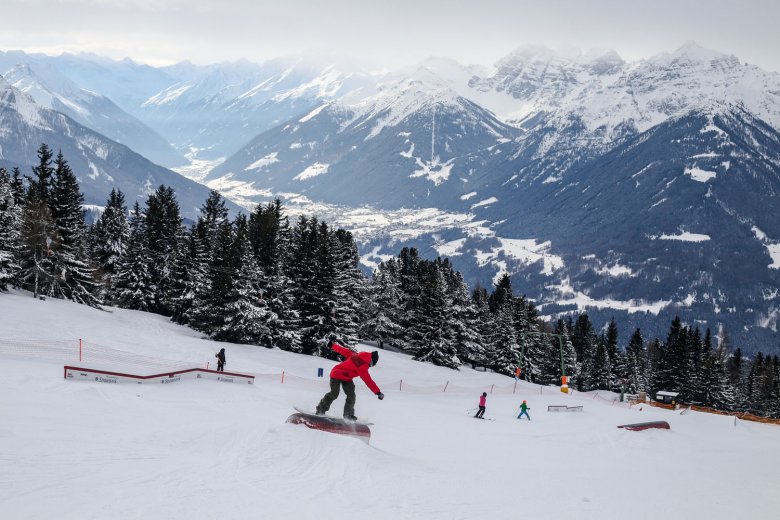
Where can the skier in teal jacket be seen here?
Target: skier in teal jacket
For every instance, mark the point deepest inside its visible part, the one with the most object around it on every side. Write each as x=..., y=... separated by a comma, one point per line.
x=524, y=410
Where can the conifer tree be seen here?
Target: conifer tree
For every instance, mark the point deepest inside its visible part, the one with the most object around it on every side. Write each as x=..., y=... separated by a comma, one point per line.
x=600, y=371
x=191, y=281
x=482, y=324
x=112, y=231
x=504, y=341
x=672, y=359
x=133, y=287
x=429, y=336
x=382, y=307
x=636, y=363
x=10, y=224
x=39, y=235
x=246, y=317
x=163, y=238
x=463, y=320
x=17, y=187
x=585, y=343
x=75, y=280
x=569, y=354
x=349, y=287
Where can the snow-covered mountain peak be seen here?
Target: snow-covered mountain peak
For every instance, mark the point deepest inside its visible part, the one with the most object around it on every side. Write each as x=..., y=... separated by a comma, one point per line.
x=13, y=102
x=49, y=88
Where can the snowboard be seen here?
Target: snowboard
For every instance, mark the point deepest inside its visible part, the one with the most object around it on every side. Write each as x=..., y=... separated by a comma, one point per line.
x=331, y=424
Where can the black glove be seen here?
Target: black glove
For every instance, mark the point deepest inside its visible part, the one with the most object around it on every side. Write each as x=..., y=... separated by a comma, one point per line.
x=380, y=395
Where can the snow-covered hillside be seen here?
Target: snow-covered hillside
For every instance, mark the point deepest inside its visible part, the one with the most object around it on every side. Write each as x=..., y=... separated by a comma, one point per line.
x=202, y=449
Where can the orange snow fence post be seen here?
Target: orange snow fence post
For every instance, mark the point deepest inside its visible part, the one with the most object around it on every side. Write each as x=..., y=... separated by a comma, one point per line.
x=80, y=349
x=282, y=376
x=565, y=384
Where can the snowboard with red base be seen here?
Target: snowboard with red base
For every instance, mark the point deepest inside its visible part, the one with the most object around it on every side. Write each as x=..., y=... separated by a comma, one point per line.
x=330, y=424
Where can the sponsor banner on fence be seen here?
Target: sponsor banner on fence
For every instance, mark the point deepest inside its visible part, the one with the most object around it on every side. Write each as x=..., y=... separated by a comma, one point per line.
x=104, y=376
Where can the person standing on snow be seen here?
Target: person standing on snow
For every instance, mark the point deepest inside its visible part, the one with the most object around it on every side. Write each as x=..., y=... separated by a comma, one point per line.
x=524, y=410
x=220, y=360
x=356, y=364
x=482, y=401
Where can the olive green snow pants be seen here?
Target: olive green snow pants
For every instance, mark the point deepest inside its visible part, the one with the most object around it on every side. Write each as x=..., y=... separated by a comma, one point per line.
x=327, y=400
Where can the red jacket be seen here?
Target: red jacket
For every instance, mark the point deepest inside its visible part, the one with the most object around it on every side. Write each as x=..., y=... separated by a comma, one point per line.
x=482, y=400
x=355, y=365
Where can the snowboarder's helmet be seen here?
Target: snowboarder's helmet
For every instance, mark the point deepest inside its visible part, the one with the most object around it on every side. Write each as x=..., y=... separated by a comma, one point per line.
x=374, y=357
x=484, y=394
x=523, y=400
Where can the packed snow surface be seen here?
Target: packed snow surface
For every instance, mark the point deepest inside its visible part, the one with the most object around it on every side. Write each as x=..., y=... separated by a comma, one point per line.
x=205, y=450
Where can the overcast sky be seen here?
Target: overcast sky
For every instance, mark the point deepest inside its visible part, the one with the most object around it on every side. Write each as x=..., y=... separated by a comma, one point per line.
x=386, y=33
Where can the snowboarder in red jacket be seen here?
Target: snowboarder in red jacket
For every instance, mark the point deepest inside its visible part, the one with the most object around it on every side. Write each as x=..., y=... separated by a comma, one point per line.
x=356, y=364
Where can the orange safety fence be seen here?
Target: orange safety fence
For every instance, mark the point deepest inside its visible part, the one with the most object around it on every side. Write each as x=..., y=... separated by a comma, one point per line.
x=739, y=415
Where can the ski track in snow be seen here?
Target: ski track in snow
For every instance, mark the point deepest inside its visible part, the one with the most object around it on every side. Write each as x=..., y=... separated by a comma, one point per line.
x=202, y=450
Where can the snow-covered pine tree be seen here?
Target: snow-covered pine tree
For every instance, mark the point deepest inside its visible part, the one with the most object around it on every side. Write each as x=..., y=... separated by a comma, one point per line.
x=616, y=359
x=17, y=187
x=208, y=315
x=76, y=275
x=483, y=325
x=585, y=344
x=464, y=318
x=672, y=359
x=409, y=261
x=692, y=388
x=163, y=237
x=10, y=225
x=269, y=234
x=534, y=347
x=191, y=278
x=504, y=340
x=349, y=288
x=271, y=238
x=569, y=354
x=311, y=268
x=132, y=286
x=382, y=306
x=112, y=231
x=636, y=363
x=213, y=214
x=429, y=335
x=725, y=396
x=246, y=317
x=39, y=233
x=303, y=268
x=601, y=371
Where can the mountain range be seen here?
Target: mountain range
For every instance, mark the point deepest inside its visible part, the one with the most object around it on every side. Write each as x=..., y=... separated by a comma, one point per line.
x=637, y=190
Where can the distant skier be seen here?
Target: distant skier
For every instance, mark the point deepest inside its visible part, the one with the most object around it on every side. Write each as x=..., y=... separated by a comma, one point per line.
x=356, y=364
x=482, y=401
x=220, y=360
x=524, y=410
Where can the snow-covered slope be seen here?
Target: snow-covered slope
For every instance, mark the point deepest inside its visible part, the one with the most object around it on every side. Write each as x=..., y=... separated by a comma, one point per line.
x=202, y=449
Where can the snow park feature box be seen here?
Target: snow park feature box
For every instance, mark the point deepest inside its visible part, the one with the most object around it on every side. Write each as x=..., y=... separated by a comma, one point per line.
x=105, y=376
x=564, y=408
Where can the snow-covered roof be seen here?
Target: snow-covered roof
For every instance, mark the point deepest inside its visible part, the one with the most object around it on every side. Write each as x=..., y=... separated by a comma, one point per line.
x=668, y=394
